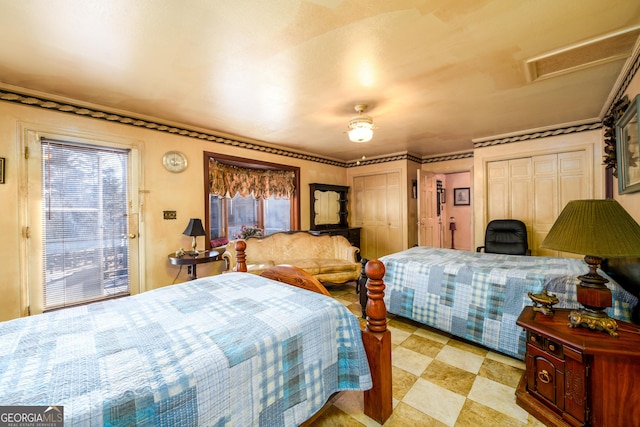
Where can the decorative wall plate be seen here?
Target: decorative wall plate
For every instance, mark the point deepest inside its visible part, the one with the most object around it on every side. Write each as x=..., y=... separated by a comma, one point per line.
x=174, y=161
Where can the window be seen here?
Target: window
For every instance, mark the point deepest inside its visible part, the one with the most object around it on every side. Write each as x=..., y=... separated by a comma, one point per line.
x=227, y=214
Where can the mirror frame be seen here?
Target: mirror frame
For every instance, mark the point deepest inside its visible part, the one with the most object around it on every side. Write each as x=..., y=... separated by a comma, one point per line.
x=627, y=147
x=342, y=191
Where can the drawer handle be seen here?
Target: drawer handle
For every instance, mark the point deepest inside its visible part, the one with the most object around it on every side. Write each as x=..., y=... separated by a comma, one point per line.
x=533, y=339
x=544, y=376
x=552, y=347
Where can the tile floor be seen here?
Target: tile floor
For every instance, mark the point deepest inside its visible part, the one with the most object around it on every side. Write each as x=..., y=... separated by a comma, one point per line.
x=438, y=380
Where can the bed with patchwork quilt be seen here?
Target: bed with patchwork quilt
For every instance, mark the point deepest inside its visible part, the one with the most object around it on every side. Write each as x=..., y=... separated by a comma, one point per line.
x=234, y=349
x=478, y=296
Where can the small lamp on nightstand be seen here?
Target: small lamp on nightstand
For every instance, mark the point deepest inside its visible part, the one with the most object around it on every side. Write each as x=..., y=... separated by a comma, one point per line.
x=195, y=229
x=595, y=228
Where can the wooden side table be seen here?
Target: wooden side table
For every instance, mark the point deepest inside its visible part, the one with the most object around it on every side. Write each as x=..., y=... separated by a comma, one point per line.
x=191, y=261
x=577, y=376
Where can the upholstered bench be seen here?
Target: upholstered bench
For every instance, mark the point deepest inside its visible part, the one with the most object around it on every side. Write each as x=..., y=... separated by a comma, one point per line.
x=330, y=259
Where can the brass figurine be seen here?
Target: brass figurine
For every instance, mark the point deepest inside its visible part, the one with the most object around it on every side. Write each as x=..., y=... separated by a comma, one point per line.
x=594, y=320
x=543, y=302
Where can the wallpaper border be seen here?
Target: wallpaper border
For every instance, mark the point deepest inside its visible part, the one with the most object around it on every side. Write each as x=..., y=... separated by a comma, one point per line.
x=70, y=108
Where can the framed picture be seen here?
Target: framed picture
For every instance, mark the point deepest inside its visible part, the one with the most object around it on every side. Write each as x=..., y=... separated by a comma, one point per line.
x=461, y=196
x=628, y=150
x=1, y=170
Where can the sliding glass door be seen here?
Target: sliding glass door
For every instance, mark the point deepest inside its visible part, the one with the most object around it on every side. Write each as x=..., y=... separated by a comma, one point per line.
x=85, y=227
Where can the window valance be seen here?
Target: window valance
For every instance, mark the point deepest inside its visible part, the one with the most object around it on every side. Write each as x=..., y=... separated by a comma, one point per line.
x=227, y=181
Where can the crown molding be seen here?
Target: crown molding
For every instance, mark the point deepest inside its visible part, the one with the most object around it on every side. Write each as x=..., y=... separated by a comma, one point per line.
x=78, y=108
x=384, y=159
x=447, y=157
x=565, y=129
x=44, y=101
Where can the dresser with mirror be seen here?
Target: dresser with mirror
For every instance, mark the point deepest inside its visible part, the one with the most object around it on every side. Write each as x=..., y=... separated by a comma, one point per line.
x=329, y=212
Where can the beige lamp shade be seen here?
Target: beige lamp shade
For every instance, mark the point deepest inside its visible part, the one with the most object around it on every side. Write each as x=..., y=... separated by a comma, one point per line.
x=595, y=227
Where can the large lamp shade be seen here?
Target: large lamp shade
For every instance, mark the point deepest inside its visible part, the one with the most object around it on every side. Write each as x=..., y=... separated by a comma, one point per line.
x=595, y=227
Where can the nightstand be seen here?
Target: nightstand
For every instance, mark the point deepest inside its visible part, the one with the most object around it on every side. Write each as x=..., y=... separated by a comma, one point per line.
x=191, y=261
x=579, y=377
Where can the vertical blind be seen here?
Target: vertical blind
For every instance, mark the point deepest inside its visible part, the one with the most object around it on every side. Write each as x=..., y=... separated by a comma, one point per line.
x=84, y=223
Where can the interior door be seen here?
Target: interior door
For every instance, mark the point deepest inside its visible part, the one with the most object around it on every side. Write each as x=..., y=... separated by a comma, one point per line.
x=82, y=221
x=428, y=227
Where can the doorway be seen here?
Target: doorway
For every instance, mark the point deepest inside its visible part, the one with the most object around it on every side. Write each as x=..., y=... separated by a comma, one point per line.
x=429, y=210
x=442, y=223
x=82, y=221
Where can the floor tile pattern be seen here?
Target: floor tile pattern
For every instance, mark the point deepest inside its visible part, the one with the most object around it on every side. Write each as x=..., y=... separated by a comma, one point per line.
x=438, y=380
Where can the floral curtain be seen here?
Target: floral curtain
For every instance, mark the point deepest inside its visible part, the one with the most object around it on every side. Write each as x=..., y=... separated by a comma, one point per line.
x=227, y=181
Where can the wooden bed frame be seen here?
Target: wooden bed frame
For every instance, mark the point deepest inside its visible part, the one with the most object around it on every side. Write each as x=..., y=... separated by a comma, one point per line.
x=378, y=401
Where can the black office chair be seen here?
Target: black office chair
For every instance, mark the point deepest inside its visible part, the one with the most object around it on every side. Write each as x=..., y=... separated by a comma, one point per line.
x=506, y=236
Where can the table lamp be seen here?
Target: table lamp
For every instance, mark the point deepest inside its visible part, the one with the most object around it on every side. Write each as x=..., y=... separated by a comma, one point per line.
x=596, y=229
x=195, y=229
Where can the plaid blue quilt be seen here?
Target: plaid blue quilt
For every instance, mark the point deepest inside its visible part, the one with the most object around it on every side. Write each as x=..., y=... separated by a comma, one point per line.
x=478, y=296
x=234, y=349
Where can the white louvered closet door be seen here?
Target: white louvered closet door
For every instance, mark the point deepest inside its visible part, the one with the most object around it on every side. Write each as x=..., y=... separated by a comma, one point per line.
x=535, y=189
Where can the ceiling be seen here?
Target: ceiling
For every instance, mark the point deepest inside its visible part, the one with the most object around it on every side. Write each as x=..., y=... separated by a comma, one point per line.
x=436, y=74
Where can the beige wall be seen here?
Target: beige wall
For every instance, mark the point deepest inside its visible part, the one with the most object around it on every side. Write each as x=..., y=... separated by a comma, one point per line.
x=412, y=205
x=450, y=166
x=162, y=191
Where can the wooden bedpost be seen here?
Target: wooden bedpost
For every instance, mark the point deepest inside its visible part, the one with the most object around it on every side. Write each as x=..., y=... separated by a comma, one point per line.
x=378, y=402
x=241, y=258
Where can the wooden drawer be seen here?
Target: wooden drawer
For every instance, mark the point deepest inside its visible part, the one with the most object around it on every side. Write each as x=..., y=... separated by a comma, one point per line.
x=535, y=340
x=545, y=344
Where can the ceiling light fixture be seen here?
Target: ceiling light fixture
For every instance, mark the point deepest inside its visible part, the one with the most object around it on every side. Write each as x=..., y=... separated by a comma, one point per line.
x=361, y=126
